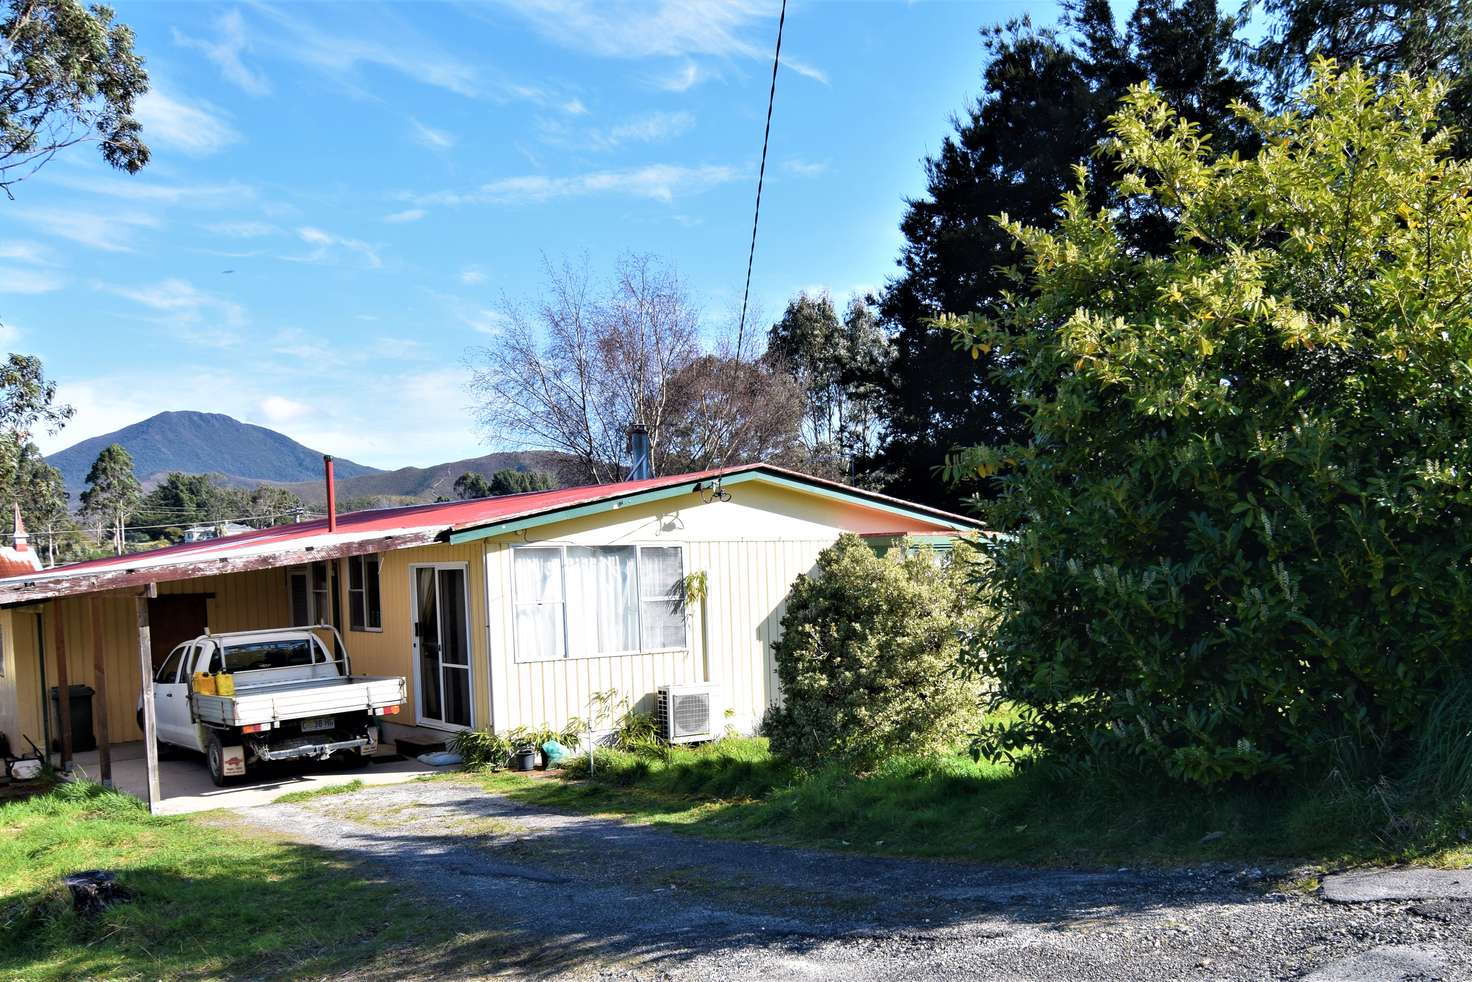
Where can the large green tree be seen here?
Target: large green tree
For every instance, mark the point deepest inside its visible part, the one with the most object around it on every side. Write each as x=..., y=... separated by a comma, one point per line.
x=1422, y=37
x=1238, y=521
x=508, y=480
x=1046, y=97
x=68, y=74
x=112, y=493
x=39, y=490
x=835, y=362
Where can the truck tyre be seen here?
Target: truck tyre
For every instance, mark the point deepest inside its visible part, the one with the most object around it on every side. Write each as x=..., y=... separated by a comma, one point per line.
x=214, y=754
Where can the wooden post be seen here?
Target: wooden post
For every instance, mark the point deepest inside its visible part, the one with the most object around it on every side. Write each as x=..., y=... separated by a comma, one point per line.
x=150, y=720
x=99, y=702
x=63, y=688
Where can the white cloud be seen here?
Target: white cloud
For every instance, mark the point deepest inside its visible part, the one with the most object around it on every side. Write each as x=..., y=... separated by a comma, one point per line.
x=325, y=245
x=654, y=127
x=484, y=320
x=300, y=346
x=472, y=276
x=279, y=409
x=660, y=182
x=664, y=29
x=384, y=418
x=22, y=280
x=575, y=107
x=244, y=229
x=26, y=252
x=343, y=57
x=226, y=52
x=407, y=215
x=682, y=79
x=187, y=308
x=137, y=189
x=430, y=137
x=196, y=129
x=805, y=168
x=108, y=231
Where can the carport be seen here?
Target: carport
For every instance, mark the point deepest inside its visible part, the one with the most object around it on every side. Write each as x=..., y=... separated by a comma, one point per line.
x=92, y=624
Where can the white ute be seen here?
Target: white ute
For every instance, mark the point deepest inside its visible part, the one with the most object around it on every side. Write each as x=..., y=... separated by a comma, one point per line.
x=292, y=700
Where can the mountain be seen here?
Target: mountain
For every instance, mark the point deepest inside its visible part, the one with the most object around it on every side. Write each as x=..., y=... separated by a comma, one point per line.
x=202, y=443
x=426, y=483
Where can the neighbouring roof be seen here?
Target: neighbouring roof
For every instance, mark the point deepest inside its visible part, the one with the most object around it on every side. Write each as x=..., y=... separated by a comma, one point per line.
x=379, y=530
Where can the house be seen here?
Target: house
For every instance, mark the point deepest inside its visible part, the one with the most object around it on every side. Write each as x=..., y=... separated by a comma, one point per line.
x=198, y=533
x=501, y=612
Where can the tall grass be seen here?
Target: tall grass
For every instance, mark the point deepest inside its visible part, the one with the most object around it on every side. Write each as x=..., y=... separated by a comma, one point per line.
x=1442, y=763
x=949, y=805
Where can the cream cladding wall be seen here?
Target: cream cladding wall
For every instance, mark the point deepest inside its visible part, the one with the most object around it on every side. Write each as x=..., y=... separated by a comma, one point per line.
x=752, y=548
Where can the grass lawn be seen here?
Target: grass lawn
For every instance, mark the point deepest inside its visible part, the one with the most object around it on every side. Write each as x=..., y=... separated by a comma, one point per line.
x=951, y=806
x=213, y=899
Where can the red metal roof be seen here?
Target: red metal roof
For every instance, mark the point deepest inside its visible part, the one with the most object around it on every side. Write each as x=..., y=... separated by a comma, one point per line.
x=417, y=521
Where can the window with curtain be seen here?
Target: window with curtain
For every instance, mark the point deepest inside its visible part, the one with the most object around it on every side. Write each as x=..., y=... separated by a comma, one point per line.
x=587, y=601
x=662, y=597
x=365, y=609
x=309, y=595
x=537, y=590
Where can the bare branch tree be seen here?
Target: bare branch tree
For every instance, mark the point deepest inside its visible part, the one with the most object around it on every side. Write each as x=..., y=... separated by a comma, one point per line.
x=574, y=375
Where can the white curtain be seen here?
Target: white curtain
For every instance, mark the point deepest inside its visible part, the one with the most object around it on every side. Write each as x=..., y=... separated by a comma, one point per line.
x=603, y=599
x=662, y=579
x=538, y=574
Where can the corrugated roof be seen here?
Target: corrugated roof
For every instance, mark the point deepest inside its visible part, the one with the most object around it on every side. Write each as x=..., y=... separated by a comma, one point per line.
x=381, y=529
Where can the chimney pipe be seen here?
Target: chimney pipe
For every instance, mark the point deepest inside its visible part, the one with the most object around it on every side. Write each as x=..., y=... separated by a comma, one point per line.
x=639, y=450
x=331, y=493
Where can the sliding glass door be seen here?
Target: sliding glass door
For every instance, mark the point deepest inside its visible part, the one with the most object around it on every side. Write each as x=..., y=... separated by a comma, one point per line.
x=441, y=645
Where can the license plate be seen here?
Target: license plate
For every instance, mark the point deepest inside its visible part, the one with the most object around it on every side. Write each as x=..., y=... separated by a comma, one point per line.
x=317, y=724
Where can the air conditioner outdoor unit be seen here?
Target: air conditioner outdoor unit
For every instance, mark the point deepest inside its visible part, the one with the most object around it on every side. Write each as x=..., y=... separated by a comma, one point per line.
x=687, y=712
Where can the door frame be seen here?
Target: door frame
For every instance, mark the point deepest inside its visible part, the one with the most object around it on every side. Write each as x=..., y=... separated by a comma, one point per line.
x=419, y=719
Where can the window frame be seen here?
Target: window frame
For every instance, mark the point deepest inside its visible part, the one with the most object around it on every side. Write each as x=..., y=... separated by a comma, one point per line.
x=308, y=572
x=524, y=658
x=361, y=560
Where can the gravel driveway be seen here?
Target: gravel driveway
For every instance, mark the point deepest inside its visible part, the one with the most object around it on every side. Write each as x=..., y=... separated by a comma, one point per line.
x=560, y=896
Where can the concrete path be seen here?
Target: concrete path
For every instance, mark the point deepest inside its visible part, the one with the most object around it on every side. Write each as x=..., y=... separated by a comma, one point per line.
x=1398, y=884
x=185, y=783
x=552, y=896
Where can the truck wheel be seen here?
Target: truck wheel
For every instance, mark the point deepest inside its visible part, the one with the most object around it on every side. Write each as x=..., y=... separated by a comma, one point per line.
x=214, y=754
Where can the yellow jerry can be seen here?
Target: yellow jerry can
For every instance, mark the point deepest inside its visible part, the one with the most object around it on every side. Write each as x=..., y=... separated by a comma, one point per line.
x=204, y=684
x=225, y=684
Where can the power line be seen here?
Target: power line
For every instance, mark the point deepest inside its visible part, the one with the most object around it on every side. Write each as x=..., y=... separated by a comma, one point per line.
x=760, y=178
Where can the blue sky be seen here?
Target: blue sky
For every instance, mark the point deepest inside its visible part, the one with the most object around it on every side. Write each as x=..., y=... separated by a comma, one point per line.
x=375, y=178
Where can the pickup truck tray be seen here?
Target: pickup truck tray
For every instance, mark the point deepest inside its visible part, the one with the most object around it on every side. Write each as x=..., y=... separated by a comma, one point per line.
x=275, y=702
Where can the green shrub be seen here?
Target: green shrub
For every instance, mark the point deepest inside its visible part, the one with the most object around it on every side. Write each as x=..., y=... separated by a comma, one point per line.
x=482, y=748
x=868, y=658
x=1241, y=532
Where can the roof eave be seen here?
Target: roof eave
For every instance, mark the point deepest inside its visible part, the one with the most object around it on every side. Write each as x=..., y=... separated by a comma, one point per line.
x=762, y=472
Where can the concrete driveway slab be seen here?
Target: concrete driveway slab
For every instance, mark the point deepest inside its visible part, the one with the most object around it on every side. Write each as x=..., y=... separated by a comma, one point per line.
x=1370, y=886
